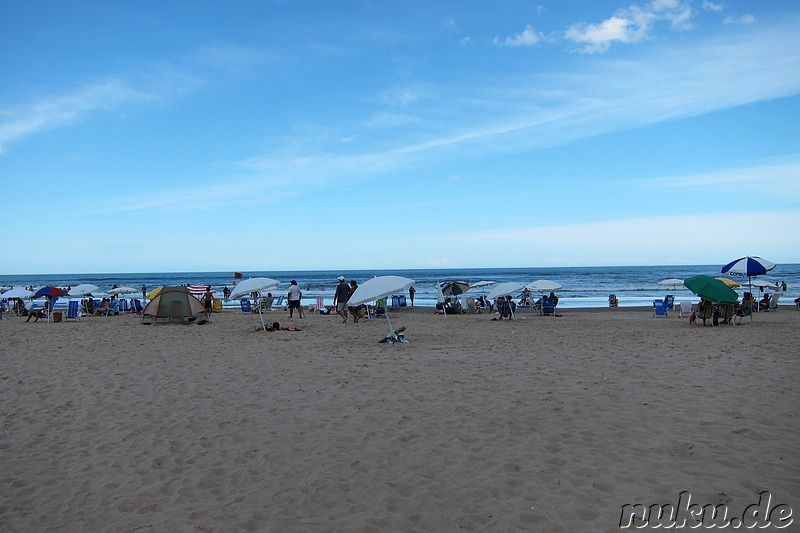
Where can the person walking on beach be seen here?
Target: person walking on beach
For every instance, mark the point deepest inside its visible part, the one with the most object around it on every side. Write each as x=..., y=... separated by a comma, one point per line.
x=411, y=292
x=340, y=298
x=294, y=297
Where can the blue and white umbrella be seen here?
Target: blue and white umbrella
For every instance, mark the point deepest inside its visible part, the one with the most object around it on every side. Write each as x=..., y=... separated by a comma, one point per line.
x=748, y=266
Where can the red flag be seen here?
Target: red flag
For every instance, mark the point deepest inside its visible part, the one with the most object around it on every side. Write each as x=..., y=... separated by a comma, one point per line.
x=237, y=275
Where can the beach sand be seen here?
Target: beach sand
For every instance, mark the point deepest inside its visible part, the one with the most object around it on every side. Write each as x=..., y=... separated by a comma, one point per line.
x=543, y=424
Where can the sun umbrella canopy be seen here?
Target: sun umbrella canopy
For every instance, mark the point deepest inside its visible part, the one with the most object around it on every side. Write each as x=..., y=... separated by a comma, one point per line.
x=671, y=282
x=761, y=285
x=123, y=290
x=84, y=289
x=484, y=283
x=49, y=291
x=506, y=288
x=543, y=285
x=748, y=266
x=454, y=288
x=17, y=293
x=711, y=289
x=244, y=288
x=379, y=287
x=729, y=282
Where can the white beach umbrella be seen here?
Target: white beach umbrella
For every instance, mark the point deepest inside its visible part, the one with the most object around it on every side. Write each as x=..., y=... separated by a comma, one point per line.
x=123, y=290
x=484, y=283
x=244, y=288
x=84, y=289
x=380, y=287
x=671, y=282
x=761, y=285
x=17, y=293
x=544, y=285
x=506, y=288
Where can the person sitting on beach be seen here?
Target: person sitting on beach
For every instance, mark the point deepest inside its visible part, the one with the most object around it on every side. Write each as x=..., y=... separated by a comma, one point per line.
x=554, y=298
x=763, y=304
x=526, y=297
x=747, y=300
x=446, y=308
x=105, y=307
x=38, y=313
x=19, y=307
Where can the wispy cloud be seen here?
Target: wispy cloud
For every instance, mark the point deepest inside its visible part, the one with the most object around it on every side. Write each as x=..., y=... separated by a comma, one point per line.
x=778, y=181
x=63, y=109
x=544, y=110
x=527, y=37
x=747, y=18
x=630, y=25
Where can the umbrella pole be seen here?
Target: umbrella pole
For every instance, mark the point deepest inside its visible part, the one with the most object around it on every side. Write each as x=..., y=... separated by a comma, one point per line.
x=391, y=330
x=260, y=315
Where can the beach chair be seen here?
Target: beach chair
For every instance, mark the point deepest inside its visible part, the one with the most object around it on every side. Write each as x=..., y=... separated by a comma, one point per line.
x=548, y=307
x=773, y=302
x=216, y=305
x=136, y=306
x=277, y=303
x=669, y=301
x=660, y=308
x=73, y=311
x=380, y=307
x=740, y=314
x=245, y=304
x=398, y=301
x=469, y=303
x=705, y=311
x=266, y=303
x=320, y=305
x=685, y=309
x=3, y=308
x=725, y=313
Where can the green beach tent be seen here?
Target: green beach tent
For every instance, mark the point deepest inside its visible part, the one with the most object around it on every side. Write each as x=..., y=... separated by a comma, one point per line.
x=173, y=303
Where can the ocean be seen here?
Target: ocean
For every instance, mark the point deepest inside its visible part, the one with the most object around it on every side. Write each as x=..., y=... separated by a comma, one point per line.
x=582, y=286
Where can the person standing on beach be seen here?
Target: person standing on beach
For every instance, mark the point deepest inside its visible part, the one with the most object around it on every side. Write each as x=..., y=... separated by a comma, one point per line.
x=208, y=301
x=294, y=297
x=144, y=292
x=411, y=292
x=340, y=298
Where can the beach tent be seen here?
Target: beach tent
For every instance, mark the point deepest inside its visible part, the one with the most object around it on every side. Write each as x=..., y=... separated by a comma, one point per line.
x=173, y=303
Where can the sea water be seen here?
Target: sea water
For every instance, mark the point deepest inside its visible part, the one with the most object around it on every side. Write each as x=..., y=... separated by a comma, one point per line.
x=581, y=286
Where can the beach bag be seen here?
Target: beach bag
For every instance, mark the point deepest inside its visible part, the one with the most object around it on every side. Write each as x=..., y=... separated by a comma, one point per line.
x=692, y=318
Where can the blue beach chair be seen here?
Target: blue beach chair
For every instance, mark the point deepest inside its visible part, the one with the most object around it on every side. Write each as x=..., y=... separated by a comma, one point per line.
x=73, y=311
x=660, y=308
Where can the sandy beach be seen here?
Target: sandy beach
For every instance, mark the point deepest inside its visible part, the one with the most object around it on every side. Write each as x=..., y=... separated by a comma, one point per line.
x=541, y=424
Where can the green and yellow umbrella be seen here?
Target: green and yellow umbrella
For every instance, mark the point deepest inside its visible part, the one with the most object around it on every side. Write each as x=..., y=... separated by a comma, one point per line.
x=711, y=289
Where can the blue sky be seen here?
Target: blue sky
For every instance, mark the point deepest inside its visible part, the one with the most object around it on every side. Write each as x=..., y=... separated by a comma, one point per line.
x=288, y=135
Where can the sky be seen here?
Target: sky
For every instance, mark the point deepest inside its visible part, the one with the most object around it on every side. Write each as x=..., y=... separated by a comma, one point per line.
x=314, y=135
